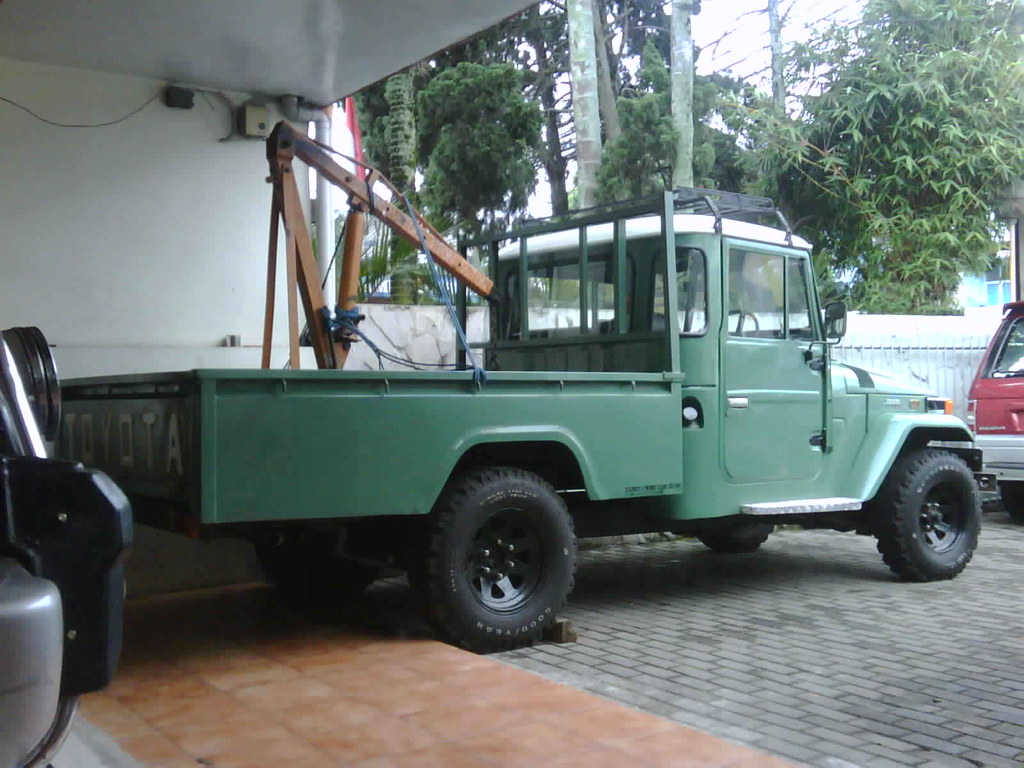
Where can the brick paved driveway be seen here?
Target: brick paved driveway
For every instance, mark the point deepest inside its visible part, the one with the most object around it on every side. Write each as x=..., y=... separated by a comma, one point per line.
x=808, y=648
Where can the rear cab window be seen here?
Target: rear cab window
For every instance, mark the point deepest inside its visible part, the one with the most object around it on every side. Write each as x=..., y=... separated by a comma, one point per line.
x=691, y=293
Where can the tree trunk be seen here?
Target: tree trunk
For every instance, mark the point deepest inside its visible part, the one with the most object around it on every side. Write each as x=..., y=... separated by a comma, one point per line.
x=552, y=158
x=554, y=161
x=682, y=93
x=775, y=35
x=586, y=115
x=605, y=78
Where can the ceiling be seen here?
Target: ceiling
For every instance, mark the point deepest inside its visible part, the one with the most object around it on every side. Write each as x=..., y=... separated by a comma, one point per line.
x=322, y=50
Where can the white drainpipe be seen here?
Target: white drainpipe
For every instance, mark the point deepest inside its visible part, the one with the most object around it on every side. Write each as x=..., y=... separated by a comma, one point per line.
x=322, y=218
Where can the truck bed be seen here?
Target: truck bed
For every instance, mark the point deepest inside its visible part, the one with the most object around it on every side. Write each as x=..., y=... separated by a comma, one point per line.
x=238, y=446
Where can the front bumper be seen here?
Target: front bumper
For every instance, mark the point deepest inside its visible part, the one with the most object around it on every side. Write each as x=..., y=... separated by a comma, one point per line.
x=32, y=639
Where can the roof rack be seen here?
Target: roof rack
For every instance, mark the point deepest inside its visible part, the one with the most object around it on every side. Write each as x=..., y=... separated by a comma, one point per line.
x=734, y=205
x=715, y=202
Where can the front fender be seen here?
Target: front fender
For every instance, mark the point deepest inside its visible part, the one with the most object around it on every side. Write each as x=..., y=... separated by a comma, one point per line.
x=887, y=434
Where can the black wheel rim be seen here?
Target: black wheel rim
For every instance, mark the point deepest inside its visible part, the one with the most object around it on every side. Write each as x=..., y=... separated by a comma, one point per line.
x=941, y=519
x=505, y=562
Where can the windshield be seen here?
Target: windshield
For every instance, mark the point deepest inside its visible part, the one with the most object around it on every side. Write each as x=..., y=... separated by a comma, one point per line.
x=1010, y=360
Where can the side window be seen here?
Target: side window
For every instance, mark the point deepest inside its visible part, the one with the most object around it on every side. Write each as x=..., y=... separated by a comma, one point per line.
x=798, y=312
x=1010, y=360
x=691, y=293
x=756, y=290
x=554, y=298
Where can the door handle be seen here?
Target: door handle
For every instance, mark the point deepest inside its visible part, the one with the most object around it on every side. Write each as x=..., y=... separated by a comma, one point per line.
x=739, y=402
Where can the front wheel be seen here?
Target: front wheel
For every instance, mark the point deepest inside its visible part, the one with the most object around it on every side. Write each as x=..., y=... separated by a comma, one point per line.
x=927, y=516
x=501, y=559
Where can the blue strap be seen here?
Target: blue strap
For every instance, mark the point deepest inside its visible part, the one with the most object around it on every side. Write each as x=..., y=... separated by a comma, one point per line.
x=479, y=374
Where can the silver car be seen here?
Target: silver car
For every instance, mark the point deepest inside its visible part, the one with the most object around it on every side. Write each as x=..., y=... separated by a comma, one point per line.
x=64, y=531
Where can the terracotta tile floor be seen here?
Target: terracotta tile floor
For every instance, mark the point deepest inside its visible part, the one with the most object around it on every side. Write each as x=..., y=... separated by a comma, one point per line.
x=236, y=678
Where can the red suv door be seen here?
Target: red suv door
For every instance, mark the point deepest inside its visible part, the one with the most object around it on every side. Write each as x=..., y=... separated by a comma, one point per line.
x=995, y=410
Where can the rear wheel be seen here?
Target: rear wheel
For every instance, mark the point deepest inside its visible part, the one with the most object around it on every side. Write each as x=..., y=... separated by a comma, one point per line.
x=1012, y=494
x=501, y=559
x=737, y=539
x=304, y=565
x=927, y=516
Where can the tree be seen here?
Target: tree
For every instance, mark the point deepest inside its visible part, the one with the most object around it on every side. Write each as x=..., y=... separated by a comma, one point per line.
x=639, y=161
x=536, y=43
x=901, y=156
x=583, y=66
x=545, y=34
x=479, y=139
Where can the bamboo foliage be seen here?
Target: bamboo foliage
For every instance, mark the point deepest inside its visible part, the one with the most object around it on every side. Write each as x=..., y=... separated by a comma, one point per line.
x=914, y=135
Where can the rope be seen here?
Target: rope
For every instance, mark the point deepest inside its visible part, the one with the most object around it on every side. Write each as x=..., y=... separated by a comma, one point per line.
x=479, y=374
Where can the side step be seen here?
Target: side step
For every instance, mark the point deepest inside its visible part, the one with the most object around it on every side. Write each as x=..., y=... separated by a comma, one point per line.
x=802, y=506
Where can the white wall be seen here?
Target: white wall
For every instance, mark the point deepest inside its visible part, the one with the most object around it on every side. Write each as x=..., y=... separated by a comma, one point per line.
x=143, y=241
x=420, y=333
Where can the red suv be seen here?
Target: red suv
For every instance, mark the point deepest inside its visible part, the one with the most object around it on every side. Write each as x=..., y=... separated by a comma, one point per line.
x=995, y=408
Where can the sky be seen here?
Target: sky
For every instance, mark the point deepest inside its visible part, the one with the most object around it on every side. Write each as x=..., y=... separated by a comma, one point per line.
x=733, y=34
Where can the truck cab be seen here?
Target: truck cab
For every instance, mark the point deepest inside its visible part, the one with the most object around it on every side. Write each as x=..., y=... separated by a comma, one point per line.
x=768, y=423
x=995, y=406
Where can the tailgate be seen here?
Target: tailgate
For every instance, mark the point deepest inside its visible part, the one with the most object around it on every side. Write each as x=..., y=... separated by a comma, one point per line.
x=140, y=430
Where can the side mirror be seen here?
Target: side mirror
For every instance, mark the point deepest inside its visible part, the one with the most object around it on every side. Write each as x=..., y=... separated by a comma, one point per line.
x=835, y=320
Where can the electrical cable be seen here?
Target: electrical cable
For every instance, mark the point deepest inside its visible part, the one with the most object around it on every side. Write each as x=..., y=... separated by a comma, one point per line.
x=121, y=119
x=227, y=103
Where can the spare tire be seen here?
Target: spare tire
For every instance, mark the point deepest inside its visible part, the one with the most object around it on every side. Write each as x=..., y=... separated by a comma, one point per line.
x=38, y=369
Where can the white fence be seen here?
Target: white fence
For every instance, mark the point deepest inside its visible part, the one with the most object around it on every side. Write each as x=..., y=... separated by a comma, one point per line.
x=941, y=365
x=939, y=355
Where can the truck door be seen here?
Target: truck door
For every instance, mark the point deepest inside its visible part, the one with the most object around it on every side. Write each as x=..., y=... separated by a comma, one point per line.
x=771, y=393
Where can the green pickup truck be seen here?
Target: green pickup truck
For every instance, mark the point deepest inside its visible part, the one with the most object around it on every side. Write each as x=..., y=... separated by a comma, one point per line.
x=657, y=366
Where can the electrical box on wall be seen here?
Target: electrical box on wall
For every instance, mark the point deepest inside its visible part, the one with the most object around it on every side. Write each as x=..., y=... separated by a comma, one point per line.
x=253, y=120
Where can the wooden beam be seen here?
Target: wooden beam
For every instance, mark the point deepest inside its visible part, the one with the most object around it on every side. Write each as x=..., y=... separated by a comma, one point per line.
x=324, y=348
x=293, y=312
x=285, y=142
x=268, y=313
x=351, y=259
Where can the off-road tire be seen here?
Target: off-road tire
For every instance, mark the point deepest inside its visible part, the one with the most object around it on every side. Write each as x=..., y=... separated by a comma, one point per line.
x=927, y=516
x=1012, y=494
x=478, y=516
x=738, y=539
x=303, y=566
